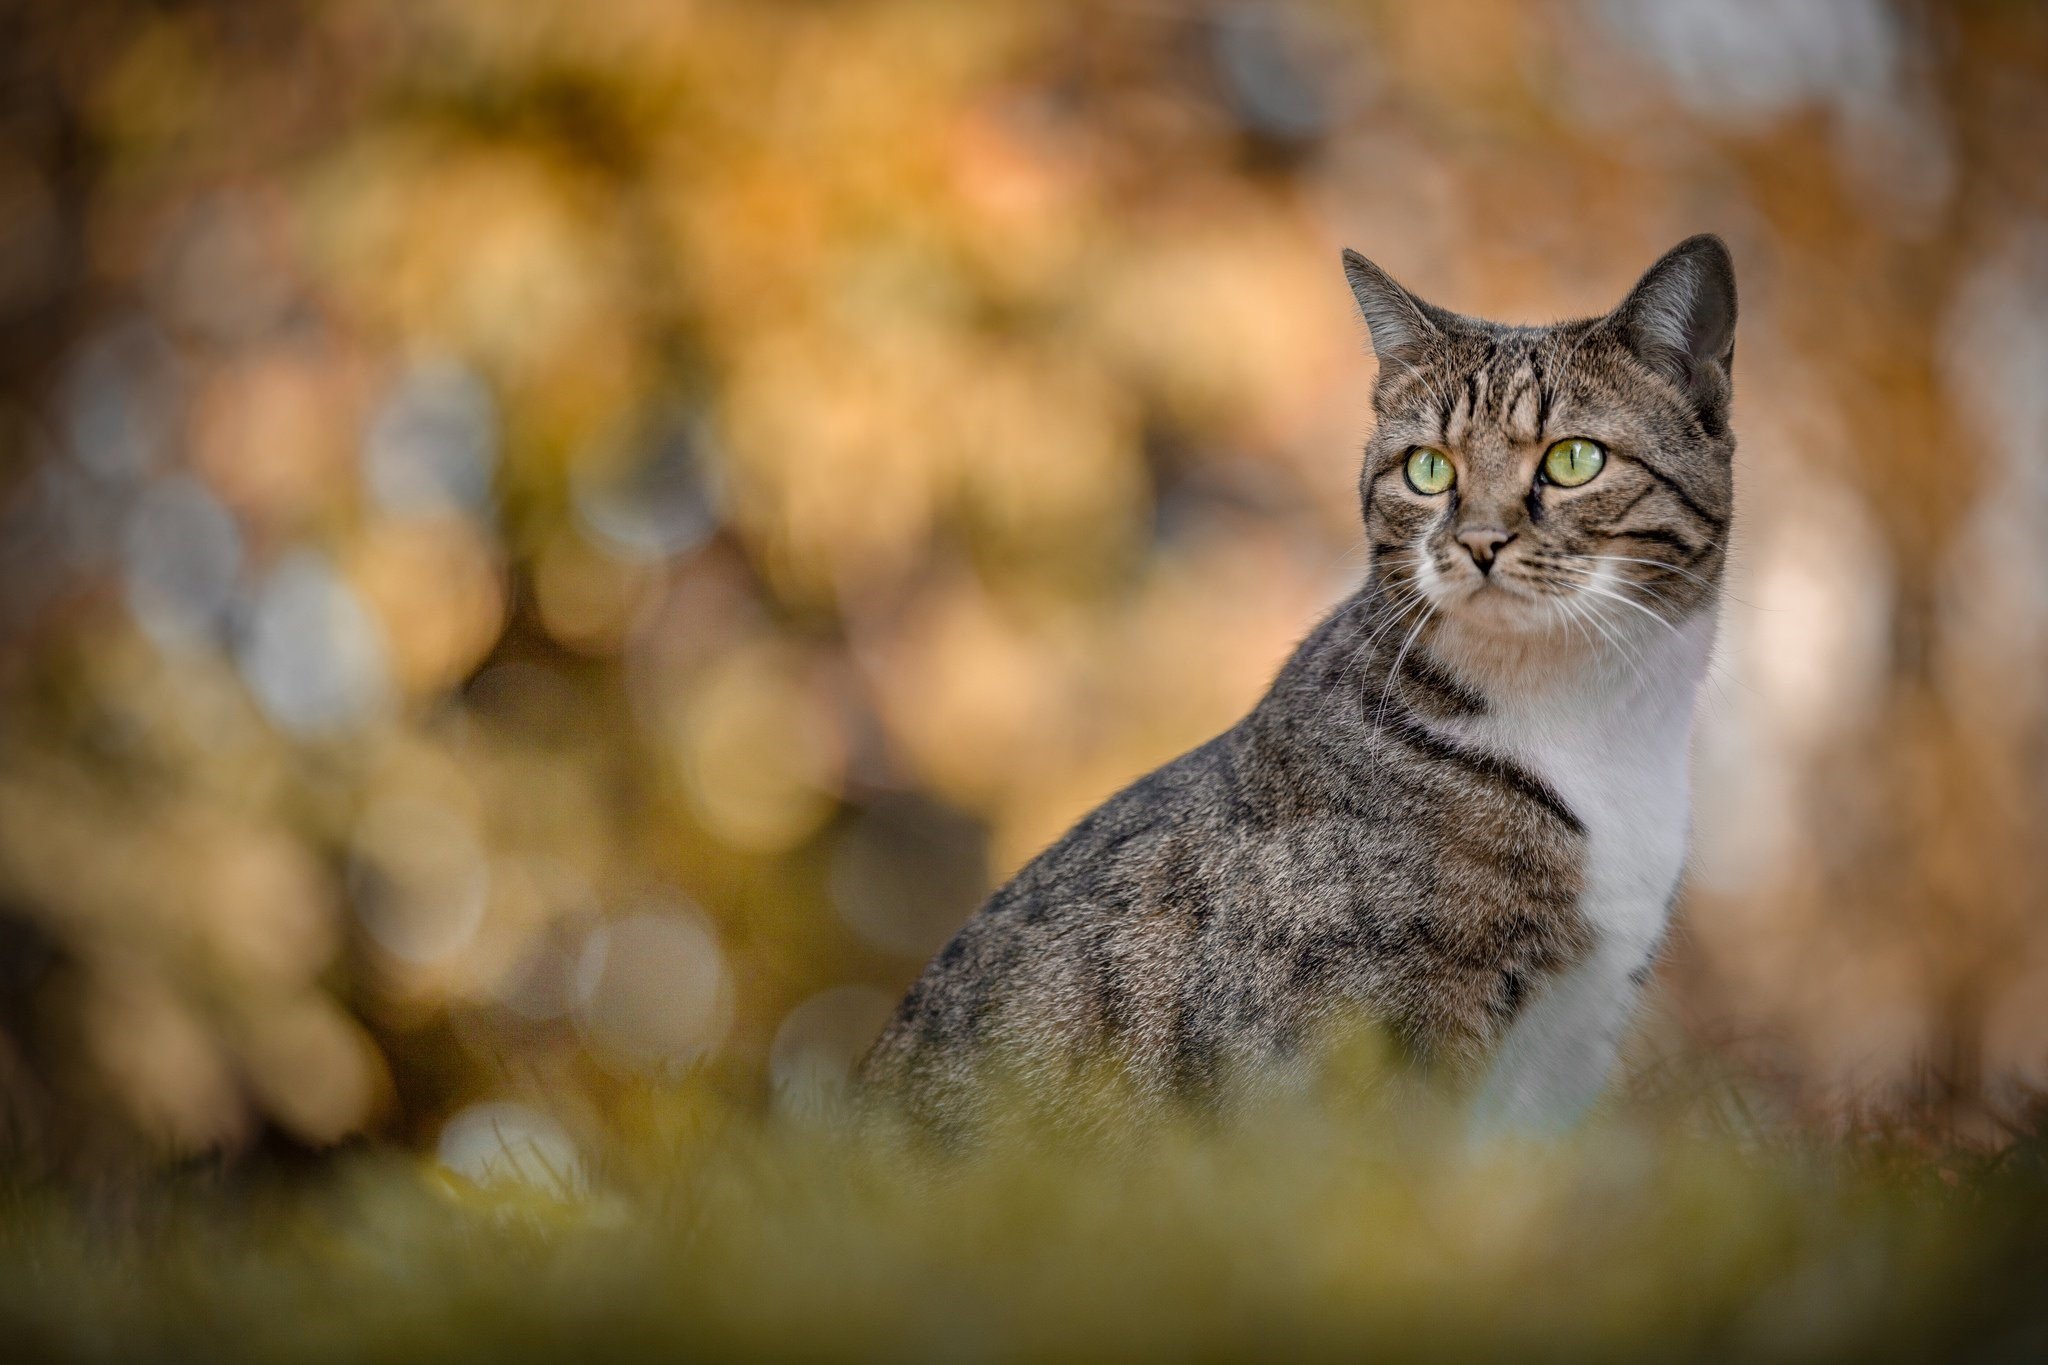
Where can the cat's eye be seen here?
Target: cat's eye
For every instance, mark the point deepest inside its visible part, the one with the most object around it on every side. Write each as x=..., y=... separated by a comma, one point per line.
x=1573, y=461
x=1429, y=470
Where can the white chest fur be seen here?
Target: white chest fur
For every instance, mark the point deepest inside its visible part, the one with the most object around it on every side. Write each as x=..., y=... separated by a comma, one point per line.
x=1616, y=750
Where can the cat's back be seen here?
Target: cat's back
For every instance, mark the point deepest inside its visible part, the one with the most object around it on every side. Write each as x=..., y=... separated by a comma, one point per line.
x=1092, y=938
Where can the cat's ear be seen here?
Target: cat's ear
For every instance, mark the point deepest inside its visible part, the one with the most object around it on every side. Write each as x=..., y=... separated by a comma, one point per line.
x=1402, y=326
x=1680, y=318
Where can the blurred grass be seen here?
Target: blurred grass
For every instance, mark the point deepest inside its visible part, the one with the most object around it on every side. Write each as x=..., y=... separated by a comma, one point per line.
x=1355, y=1222
x=546, y=542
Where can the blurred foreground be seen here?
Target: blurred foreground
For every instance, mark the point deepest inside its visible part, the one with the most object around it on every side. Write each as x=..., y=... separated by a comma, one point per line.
x=1349, y=1225
x=549, y=547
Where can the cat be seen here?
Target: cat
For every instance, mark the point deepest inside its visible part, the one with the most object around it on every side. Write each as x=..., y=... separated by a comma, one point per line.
x=1462, y=807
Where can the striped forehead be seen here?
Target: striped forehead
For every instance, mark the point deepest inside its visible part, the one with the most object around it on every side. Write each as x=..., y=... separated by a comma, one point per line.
x=1499, y=384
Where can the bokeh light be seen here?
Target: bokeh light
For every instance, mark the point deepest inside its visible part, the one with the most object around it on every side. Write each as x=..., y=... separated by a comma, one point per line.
x=651, y=989
x=502, y=1143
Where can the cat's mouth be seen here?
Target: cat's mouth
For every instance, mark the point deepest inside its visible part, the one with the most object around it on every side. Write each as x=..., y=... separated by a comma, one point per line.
x=1500, y=601
x=1504, y=602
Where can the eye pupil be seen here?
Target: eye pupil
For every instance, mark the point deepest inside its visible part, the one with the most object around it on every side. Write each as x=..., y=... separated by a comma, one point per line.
x=1429, y=471
x=1573, y=461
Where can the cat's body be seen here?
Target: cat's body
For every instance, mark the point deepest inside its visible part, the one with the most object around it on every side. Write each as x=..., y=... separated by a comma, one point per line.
x=1461, y=809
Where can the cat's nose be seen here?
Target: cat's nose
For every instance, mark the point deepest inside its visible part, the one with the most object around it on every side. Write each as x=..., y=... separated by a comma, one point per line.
x=1483, y=543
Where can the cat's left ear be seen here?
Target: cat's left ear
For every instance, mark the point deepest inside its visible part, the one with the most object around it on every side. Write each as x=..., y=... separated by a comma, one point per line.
x=1680, y=319
x=1403, y=327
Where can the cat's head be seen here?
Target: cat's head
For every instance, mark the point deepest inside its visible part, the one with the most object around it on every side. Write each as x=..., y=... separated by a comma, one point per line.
x=1559, y=479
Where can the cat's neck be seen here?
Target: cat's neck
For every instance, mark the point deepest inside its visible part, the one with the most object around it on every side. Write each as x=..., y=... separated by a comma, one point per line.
x=1627, y=657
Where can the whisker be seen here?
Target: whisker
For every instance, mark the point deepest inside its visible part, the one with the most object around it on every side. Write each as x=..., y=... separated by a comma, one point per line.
x=1394, y=673
x=1625, y=651
x=1377, y=602
x=1603, y=590
x=1394, y=620
x=1574, y=618
x=1609, y=592
x=1392, y=609
x=1619, y=642
x=1393, y=614
x=1623, y=585
x=1653, y=563
x=1591, y=583
x=1720, y=588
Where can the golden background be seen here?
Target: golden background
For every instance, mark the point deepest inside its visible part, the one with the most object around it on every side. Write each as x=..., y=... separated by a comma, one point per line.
x=546, y=546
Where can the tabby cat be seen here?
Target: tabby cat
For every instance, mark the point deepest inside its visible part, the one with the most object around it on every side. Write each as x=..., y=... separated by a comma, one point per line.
x=1462, y=807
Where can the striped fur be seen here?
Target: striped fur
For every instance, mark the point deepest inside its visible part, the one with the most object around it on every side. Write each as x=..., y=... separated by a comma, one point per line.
x=1460, y=808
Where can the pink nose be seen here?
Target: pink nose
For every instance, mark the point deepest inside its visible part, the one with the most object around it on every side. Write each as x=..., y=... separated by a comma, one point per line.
x=1483, y=543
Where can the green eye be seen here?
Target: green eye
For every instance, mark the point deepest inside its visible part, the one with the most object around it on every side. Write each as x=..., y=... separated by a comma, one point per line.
x=1429, y=471
x=1573, y=461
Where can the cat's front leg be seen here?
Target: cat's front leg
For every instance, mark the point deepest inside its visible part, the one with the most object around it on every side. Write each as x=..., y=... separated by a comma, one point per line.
x=1558, y=1054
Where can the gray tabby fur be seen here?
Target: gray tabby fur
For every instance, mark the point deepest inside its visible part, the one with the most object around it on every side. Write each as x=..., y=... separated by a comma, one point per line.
x=1460, y=808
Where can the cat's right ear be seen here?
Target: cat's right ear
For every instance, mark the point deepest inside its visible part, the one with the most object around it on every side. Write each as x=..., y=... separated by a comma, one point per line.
x=1401, y=325
x=1680, y=319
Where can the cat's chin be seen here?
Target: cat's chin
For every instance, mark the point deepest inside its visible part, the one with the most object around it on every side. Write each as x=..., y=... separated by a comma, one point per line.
x=1495, y=640
x=1495, y=607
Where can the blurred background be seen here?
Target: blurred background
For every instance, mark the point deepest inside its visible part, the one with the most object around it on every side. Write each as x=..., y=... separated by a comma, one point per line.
x=547, y=548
